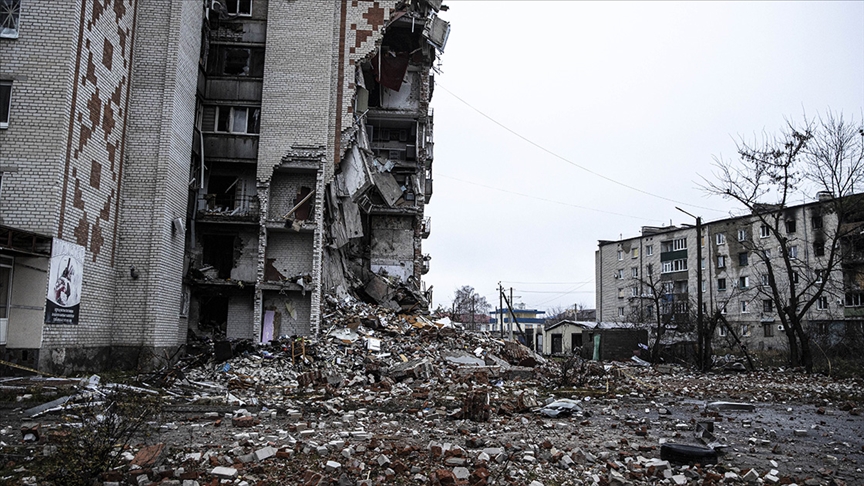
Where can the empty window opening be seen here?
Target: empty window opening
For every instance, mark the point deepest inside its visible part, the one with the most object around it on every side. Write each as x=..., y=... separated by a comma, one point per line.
x=218, y=252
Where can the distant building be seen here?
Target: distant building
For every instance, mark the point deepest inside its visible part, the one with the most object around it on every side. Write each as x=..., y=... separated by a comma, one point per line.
x=528, y=319
x=735, y=281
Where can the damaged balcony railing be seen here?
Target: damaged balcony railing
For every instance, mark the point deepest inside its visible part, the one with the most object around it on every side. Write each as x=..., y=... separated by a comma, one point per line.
x=229, y=206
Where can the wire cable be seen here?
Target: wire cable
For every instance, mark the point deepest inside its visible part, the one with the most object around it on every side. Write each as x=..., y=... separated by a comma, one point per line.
x=564, y=159
x=438, y=174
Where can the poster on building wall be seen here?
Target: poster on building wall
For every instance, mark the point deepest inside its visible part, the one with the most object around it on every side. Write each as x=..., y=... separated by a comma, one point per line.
x=64, y=283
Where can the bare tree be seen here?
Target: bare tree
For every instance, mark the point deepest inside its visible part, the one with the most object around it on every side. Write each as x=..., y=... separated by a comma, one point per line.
x=469, y=307
x=821, y=155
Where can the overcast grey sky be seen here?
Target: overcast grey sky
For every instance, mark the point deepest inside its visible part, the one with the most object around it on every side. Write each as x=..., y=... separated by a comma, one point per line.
x=643, y=94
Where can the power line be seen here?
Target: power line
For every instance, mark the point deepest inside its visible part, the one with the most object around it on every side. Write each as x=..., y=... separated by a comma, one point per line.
x=547, y=283
x=550, y=291
x=544, y=149
x=438, y=174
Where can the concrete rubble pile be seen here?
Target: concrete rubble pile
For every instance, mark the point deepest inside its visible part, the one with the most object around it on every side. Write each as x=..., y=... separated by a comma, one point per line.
x=382, y=397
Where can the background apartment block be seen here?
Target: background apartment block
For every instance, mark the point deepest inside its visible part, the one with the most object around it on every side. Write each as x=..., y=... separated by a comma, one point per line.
x=223, y=163
x=735, y=280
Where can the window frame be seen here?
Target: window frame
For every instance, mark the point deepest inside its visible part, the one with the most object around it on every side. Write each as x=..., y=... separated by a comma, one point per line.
x=744, y=282
x=237, y=8
x=721, y=284
x=634, y=253
x=634, y=272
x=791, y=226
x=720, y=238
x=620, y=255
x=743, y=308
x=764, y=231
x=822, y=303
x=679, y=244
x=768, y=306
x=742, y=234
x=743, y=259
x=13, y=15
x=721, y=261
x=232, y=110
x=5, y=112
x=649, y=250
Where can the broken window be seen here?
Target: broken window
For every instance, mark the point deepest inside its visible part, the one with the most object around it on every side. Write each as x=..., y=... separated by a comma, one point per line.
x=232, y=119
x=218, y=252
x=5, y=102
x=790, y=226
x=10, y=13
x=817, y=222
x=819, y=248
x=743, y=259
x=721, y=261
x=237, y=61
x=242, y=8
x=768, y=330
x=221, y=192
x=767, y=305
x=721, y=284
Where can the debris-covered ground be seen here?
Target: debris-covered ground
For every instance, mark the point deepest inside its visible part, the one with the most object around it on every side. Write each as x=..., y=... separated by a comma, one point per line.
x=382, y=398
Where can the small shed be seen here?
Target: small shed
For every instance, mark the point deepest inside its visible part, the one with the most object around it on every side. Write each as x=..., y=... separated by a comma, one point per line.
x=565, y=337
x=612, y=340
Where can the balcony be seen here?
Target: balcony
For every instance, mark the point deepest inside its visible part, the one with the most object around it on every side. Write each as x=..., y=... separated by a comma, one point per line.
x=243, y=148
x=229, y=208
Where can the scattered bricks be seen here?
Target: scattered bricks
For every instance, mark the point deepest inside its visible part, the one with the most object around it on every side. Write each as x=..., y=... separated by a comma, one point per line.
x=444, y=477
x=311, y=478
x=245, y=421
x=480, y=475
x=147, y=456
x=751, y=476
x=224, y=472
x=30, y=431
x=284, y=453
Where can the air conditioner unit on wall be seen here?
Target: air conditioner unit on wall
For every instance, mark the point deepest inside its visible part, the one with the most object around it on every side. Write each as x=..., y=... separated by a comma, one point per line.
x=780, y=327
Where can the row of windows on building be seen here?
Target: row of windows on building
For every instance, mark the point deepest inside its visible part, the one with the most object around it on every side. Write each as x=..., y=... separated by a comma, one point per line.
x=745, y=306
x=720, y=238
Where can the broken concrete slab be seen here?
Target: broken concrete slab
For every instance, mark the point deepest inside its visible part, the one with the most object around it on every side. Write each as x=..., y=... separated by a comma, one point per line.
x=730, y=406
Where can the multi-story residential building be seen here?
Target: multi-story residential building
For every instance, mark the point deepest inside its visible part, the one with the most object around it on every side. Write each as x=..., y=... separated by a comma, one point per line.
x=634, y=275
x=211, y=166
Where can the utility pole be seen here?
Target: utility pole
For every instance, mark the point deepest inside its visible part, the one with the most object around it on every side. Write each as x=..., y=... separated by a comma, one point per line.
x=511, y=313
x=701, y=351
x=473, y=301
x=500, y=310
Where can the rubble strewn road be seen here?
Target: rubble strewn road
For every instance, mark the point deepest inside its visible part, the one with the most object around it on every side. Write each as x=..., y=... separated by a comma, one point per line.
x=385, y=399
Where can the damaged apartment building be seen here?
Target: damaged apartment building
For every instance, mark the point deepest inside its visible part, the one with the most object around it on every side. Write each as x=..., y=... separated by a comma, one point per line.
x=215, y=167
x=654, y=276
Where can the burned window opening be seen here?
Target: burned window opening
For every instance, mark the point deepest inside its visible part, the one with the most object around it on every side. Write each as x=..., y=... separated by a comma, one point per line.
x=218, y=251
x=213, y=314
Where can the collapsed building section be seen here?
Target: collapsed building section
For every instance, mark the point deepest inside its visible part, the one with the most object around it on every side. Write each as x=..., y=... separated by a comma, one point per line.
x=312, y=162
